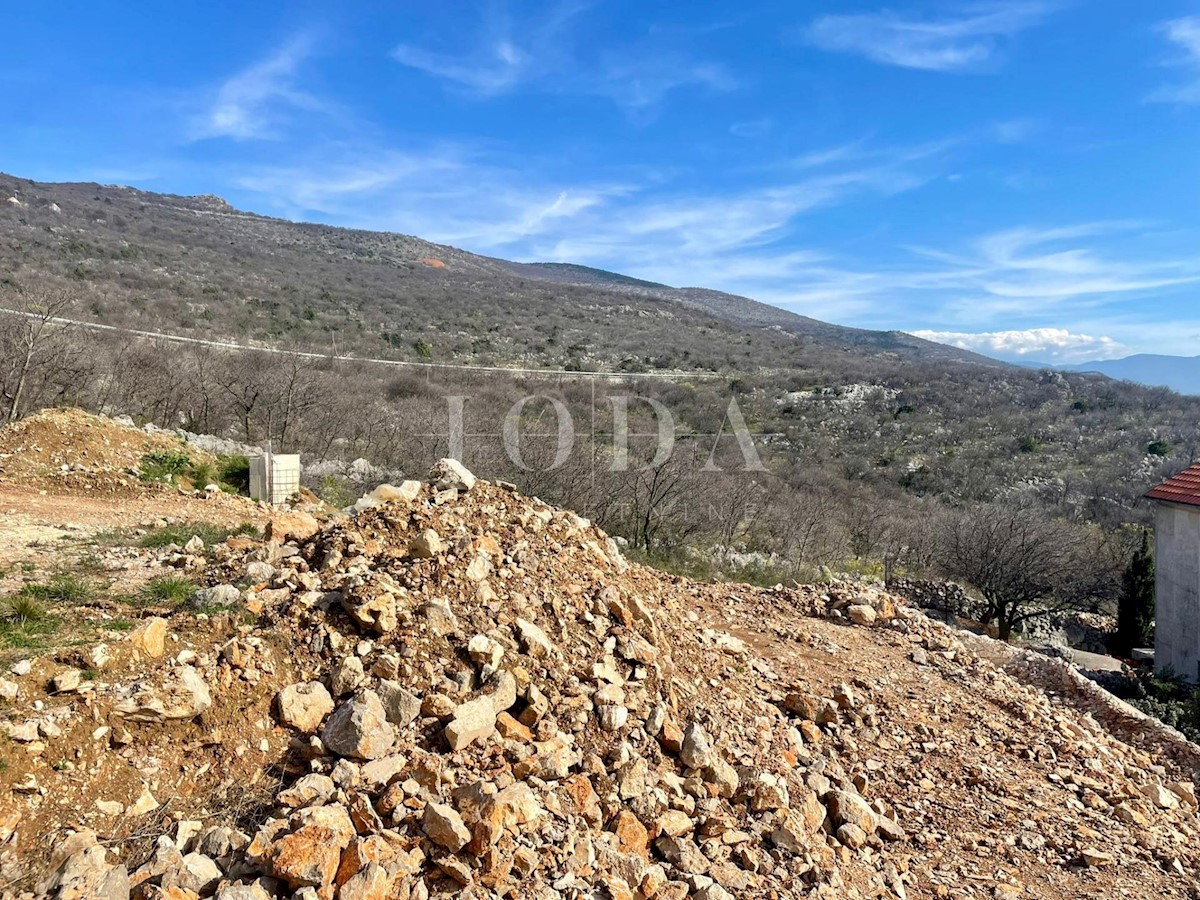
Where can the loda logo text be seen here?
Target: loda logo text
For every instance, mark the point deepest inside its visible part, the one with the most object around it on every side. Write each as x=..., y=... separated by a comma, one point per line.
x=733, y=425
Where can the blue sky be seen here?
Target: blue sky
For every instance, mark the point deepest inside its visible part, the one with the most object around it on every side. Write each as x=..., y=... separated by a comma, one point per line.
x=1021, y=178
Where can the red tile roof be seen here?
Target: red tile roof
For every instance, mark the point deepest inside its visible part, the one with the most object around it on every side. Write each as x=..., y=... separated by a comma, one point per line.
x=1183, y=488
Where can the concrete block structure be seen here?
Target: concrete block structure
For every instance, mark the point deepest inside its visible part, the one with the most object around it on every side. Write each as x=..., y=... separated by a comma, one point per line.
x=1177, y=574
x=274, y=477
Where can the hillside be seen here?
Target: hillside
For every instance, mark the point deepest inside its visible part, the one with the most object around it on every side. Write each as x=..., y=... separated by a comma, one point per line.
x=195, y=265
x=869, y=441
x=466, y=692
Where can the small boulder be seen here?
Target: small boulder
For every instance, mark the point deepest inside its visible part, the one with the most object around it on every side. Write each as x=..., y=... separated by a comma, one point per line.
x=359, y=728
x=445, y=826
x=304, y=706
x=861, y=614
x=447, y=474
x=150, y=637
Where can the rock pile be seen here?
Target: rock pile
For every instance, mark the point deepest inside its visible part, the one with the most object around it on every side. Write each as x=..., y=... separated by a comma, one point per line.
x=488, y=701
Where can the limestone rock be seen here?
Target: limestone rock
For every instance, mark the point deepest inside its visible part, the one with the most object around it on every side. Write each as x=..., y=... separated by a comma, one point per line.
x=861, y=614
x=697, y=747
x=450, y=474
x=445, y=826
x=183, y=695
x=400, y=705
x=150, y=637
x=304, y=706
x=427, y=545
x=359, y=728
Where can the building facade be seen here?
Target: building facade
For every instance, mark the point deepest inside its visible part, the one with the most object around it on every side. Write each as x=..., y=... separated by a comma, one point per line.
x=1177, y=574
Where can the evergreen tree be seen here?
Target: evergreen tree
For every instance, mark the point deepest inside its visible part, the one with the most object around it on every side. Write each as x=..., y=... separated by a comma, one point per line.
x=1135, y=611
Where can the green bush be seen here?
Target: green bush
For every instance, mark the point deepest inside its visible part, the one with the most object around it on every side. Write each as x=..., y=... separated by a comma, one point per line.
x=201, y=474
x=164, y=465
x=336, y=491
x=1163, y=695
x=234, y=471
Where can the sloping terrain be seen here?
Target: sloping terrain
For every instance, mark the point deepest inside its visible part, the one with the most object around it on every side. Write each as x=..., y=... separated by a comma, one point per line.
x=195, y=265
x=462, y=691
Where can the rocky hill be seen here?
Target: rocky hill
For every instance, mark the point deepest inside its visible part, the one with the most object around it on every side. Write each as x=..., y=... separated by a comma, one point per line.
x=463, y=691
x=195, y=265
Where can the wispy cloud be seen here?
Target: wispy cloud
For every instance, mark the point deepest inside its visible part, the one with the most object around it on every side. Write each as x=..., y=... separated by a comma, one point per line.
x=637, y=81
x=541, y=53
x=1185, y=35
x=646, y=223
x=952, y=43
x=252, y=104
x=1050, y=345
x=1033, y=269
x=751, y=128
x=446, y=194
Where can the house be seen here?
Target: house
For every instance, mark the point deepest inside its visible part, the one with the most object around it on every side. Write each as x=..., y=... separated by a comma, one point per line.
x=1177, y=574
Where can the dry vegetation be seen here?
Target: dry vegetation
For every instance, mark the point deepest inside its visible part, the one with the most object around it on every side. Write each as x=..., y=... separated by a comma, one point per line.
x=874, y=444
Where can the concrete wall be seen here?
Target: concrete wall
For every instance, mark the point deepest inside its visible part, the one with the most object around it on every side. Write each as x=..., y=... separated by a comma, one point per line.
x=283, y=482
x=1177, y=602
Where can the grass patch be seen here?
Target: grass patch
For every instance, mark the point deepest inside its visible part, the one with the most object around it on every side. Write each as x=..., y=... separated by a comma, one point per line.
x=181, y=534
x=63, y=587
x=21, y=610
x=19, y=630
x=167, y=590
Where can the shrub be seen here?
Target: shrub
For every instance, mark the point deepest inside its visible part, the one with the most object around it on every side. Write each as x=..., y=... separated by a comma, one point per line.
x=201, y=474
x=164, y=465
x=234, y=471
x=336, y=491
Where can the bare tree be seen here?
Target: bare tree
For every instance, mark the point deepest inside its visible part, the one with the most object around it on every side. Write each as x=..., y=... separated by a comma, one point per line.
x=32, y=342
x=1026, y=564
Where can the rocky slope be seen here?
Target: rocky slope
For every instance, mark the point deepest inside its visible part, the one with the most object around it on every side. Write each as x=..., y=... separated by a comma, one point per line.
x=463, y=691
x=196, y=265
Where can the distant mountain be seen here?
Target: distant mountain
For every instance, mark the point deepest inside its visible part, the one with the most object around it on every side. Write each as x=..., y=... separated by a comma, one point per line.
x=1179, y=373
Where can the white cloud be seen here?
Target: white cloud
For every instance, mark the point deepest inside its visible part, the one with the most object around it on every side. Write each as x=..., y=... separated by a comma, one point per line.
x=540, y=53
x=493, y=70
x=752, y=128
x=1185, y=35
x=642, y=225
x=962, y=42
x=638, y=81
x=1036, y=271
x=251, y=104
x=1050, y=345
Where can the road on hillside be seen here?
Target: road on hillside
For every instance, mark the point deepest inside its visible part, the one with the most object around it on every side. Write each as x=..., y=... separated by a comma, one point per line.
x=230, y=345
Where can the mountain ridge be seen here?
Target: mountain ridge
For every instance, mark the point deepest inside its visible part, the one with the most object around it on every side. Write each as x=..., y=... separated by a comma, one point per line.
x=239, y=265
x=1179, y=373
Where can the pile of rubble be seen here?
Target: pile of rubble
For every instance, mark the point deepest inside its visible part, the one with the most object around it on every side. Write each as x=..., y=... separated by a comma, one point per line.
x=72, y=448
x=486, y=700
